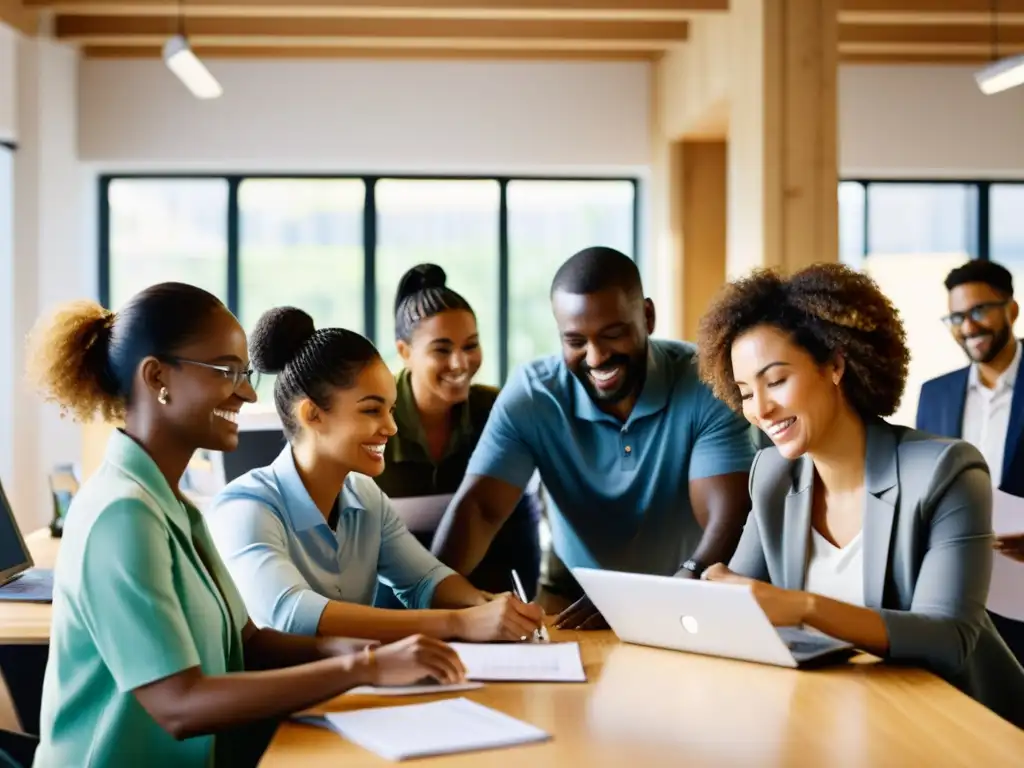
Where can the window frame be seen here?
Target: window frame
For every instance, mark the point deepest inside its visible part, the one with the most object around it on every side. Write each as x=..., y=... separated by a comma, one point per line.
x=369, y=329
x=982, y=226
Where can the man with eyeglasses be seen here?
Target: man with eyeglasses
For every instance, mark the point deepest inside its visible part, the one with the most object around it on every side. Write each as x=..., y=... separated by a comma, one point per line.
x=984, y=404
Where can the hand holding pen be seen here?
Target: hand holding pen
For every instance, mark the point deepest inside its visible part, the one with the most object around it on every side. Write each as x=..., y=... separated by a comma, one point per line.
x=539, y=635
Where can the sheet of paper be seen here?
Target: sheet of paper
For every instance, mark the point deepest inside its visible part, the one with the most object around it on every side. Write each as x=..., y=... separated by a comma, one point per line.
x=412, y=690
x=421, y=514
x=438, y=728
x=525, y=662
x=1005, y=595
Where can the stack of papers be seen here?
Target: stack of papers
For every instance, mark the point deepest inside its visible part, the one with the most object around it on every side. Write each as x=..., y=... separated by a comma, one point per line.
x=437, y=728
x=523, y=662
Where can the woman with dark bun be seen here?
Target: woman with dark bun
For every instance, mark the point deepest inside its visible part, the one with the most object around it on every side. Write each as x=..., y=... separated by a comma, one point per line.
x=872, y=533
x=440, y=415
x=151, y=646
x=307, y=538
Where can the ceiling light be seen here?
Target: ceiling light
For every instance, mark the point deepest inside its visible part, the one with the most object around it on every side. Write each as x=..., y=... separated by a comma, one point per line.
x=182, y=61
x=1001, y=75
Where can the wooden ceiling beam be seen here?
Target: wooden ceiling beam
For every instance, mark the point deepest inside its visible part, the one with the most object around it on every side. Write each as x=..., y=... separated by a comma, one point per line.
x=612, y=10
x=87, y=29
x=943, y=51
x=933, y=34
x=356, y=52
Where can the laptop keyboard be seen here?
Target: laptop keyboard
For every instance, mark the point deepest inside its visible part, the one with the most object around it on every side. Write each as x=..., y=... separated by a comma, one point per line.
x=802, y=643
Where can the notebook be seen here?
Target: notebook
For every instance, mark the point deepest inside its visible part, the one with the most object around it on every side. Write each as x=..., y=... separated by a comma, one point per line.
x=412, y=690
x=523, y=662
x=438, y=728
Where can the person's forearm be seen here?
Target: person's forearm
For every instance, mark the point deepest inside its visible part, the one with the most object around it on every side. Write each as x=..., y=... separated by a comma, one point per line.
x=718, y=543
x=210, y=704
x=863, y=627
x=463, y=538
x=269, y=649
x=457, y=592
x=384, y=624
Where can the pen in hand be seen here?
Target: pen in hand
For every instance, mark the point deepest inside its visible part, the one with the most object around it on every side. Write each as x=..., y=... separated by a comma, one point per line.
x=540, y=635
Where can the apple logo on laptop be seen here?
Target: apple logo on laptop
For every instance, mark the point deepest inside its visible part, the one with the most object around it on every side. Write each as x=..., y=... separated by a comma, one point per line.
x=689, y=624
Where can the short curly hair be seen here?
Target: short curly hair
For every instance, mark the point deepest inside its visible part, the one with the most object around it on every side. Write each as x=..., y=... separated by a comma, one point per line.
x=829, y=310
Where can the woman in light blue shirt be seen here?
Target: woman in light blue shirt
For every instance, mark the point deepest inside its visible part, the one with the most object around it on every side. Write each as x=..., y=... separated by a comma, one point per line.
x=153, y=659
x=307, y=537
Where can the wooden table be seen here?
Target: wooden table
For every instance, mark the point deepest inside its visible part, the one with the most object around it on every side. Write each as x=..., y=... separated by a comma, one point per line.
x=646, y=708
x=29, y=623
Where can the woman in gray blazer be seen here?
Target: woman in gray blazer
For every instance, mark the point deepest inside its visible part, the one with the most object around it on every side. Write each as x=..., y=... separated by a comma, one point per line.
x=876, y=534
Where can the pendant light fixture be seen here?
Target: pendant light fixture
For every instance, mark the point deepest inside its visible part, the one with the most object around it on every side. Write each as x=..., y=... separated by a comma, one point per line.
x=1001, y=74
x=182, y=61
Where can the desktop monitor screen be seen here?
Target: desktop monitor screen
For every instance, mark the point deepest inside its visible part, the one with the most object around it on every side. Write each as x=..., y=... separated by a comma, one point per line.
x=14, y=555
x=256, y=448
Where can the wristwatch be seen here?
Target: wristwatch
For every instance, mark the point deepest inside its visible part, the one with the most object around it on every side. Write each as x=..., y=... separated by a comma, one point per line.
x=694, y=567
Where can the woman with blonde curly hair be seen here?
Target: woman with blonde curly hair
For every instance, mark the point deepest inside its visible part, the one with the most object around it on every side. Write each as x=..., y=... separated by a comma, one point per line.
x=151, y=647
x=875, y=534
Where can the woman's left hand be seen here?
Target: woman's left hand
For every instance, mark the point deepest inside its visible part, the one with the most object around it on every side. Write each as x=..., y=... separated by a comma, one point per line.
x=783, y=607
x=1012, y=546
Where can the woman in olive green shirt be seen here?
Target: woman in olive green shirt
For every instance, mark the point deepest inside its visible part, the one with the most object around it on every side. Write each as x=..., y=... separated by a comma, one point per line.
x=440, y=415
x=151, y=646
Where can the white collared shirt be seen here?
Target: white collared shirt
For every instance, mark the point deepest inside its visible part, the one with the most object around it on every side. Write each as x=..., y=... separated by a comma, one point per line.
x=987, y=414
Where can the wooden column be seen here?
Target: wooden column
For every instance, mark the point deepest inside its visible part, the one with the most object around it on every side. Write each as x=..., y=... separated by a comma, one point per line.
x=783, y=158
x=703, y=223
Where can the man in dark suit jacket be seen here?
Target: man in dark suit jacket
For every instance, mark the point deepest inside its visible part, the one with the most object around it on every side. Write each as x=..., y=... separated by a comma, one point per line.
x=984, y=402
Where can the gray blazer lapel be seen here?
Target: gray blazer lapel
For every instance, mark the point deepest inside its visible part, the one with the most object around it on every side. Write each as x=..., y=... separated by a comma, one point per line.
x=881, y=485
x=796, y=526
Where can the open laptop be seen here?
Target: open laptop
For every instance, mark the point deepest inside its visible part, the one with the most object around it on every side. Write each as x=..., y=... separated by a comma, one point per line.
x=702, y=617
x=19, y=581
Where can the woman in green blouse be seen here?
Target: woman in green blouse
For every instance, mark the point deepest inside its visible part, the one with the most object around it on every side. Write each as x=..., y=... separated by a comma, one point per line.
x=153, y=659
x=440, y=415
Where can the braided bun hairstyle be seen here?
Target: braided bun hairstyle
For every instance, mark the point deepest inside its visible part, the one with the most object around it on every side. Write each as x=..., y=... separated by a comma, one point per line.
x=421, y=294
x=309, y=363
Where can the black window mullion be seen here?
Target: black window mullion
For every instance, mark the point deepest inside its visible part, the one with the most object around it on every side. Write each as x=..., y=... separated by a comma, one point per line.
x=234, y=242
x=636, y=220
x=984, y=225
x=370, y=261
x=104, y=241
x=503, y=287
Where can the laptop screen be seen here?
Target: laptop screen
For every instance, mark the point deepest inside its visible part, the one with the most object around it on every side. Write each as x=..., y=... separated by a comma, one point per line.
x=14, y=556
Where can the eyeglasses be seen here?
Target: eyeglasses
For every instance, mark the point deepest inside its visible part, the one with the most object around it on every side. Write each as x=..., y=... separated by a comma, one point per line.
x=236, y=375
x=977, y=313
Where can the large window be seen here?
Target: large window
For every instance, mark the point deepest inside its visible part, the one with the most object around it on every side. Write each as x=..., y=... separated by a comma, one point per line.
x=548, y=221
x=909, y=235
x=336, y=247
x=162, y=231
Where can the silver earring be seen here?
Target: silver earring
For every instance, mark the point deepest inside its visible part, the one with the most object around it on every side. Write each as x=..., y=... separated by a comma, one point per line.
x=163, y=396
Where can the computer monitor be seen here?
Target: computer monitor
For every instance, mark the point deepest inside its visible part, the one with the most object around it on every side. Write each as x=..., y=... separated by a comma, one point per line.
x=256, y=448
x=15, y=558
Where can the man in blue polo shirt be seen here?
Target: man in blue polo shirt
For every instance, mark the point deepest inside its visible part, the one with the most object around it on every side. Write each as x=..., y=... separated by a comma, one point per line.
x=646, y=470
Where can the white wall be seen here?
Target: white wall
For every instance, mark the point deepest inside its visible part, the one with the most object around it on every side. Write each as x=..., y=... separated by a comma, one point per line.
x=8, y=82
x=916, y=121
x=50, y=261
x=344, y=116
